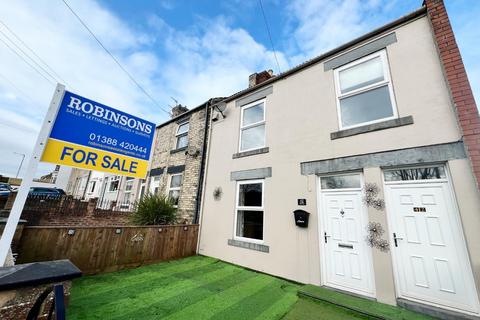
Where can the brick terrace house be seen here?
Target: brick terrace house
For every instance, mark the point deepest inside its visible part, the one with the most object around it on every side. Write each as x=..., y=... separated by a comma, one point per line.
x=377, y=145
x=178, y=158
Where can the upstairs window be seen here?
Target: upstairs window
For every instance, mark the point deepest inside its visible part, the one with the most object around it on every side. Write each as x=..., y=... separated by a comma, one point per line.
x=182, y=135
x=249, y=211
x=252, y=126
x=174, y=187
x=364, y=91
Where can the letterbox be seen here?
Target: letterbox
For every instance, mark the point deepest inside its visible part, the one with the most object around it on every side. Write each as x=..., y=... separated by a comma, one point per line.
x=301, y=218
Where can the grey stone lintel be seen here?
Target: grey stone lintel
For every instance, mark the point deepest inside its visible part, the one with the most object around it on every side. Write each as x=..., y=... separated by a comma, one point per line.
x=372, y=127
x=156, y=172
x=249, y=245
x=250, y=153
x=176, y=169
x=407, y=156
x=259, y=173
x=257, y=95
x=360, y=52
x=183, y=119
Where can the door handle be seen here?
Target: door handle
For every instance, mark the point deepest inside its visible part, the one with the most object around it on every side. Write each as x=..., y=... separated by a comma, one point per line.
x=395, y=238
x=325, y=236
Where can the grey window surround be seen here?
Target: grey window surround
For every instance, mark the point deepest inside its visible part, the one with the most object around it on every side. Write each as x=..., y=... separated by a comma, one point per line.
x=183, y=119
x=176, y=169
x=156, y=172
x=257, y=95
x=178, y=150
x=250, y=153
x=387, y=124
x=415, y=155
x=360, y=52
x=249, y=245
x=259, y=173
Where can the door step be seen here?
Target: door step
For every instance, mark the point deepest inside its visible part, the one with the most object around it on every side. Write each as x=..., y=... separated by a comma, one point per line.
x=434, y=311
x=366, y=307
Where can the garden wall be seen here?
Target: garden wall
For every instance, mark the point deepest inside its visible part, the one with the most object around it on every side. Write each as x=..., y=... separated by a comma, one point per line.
x=104, y=249
x=67, y=211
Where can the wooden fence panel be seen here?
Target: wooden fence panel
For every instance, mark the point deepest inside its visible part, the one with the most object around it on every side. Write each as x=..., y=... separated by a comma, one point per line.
x=102, y=249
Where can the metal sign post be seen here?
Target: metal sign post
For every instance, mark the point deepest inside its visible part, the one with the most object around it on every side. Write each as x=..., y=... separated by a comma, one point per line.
x=22, y=194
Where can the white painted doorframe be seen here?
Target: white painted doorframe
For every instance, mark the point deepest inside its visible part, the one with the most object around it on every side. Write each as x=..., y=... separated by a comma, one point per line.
x=322, y=244
x=453, y=208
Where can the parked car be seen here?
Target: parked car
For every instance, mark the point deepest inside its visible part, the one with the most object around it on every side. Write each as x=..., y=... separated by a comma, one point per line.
x=5, y=190
x=43, y=192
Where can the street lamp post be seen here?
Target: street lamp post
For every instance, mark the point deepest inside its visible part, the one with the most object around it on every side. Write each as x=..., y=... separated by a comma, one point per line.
x=21, y=162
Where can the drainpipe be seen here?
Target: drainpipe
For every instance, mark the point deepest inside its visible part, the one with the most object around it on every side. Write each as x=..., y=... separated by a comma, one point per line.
x=202, y=163
x=204, y=181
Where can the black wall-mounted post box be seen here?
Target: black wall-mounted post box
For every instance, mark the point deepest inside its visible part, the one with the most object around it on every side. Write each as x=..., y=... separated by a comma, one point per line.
x=301, y=218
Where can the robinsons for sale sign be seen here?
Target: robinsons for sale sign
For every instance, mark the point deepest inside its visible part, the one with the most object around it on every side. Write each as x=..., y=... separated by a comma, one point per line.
x=89, y=135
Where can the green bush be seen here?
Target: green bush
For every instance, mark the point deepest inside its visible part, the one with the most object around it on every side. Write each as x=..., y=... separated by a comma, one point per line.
x=154, y=209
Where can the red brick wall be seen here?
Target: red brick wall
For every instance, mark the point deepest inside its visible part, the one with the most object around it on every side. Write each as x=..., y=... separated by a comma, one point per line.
x=460, y=90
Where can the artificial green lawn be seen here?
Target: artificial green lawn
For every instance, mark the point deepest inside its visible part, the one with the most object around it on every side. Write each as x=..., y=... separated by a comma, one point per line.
x=370, y=307
x=192, y=288
x=308, y=309
x=206, y=288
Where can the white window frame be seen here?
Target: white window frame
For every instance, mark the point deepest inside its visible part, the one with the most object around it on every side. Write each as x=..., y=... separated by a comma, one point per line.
x=251, y=125
x=112, y=180
x=127, y=184
x=418, y=166
x=178, y=135
x=91, y=186
x=386, y=81
x=259, y=209
x=179, y=189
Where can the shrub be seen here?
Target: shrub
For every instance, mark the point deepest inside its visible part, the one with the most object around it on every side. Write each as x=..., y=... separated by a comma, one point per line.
x=154, y=209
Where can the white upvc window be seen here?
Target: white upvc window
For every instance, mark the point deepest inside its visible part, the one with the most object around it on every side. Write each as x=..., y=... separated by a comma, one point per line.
x=129, y=186
x=91, y=187
x=114, y=183
x=154, y=184
x=249, y=211
x=364, y=91
x=174, y=187
x=252, y=126
x=182, y=135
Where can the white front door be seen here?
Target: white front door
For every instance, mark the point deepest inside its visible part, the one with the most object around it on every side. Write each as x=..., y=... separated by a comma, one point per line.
x=430, y=255
x=346, y=256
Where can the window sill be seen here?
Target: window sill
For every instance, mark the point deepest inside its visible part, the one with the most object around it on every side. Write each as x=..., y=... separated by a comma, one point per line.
x=250, y=153
x=178, y=150
x=249, y=245
x=372, y=127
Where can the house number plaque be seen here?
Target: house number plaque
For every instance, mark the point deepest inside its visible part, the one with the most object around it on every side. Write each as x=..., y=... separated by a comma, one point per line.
x=419, y=209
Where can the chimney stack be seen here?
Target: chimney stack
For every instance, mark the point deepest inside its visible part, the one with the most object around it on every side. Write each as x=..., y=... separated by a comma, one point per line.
x=178, y=110
x=260, y=77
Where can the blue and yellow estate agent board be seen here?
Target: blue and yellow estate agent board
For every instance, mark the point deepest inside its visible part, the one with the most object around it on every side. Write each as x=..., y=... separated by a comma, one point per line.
x=90, y=135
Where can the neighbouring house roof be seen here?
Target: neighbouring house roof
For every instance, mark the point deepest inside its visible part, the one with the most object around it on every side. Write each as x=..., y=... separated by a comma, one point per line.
x=406, y=18
x=210, y=101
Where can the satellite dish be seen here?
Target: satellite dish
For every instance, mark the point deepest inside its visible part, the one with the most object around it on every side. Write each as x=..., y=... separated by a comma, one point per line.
x=192, y=151
x=221, y=107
